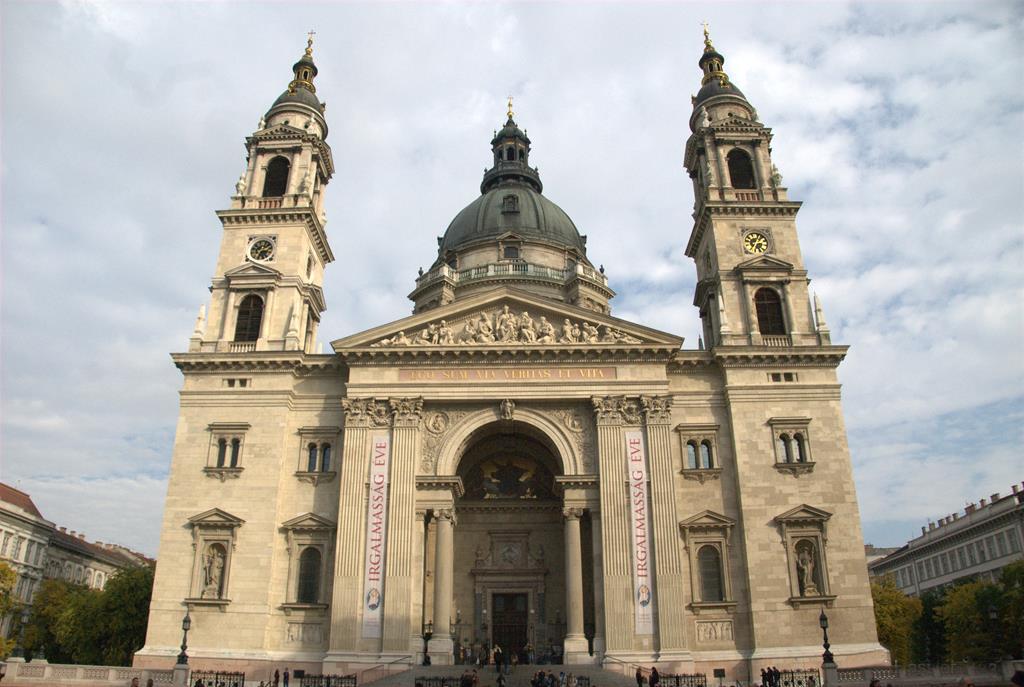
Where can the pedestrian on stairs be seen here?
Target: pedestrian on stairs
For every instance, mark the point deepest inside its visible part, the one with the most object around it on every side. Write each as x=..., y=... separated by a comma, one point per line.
x=639, y=677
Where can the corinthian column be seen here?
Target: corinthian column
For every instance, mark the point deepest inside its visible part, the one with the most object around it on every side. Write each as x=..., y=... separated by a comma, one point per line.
x=441, y=641
x=573, y=573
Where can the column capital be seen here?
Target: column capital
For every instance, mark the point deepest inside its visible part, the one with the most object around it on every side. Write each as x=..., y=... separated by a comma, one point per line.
x=407, y=411
x=617, y=410
x=657, y=409
x=572, y=513
x=445, y=514
x=366, y=412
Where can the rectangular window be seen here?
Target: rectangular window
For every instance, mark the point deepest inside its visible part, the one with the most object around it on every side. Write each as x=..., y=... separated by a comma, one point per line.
x=998, y=539
x=7, y=540
x=1012, y=543
x=961, y=559
x=970, y=556
x=982, y=556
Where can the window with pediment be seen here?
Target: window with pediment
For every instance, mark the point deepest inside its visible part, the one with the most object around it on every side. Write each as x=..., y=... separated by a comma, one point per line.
x=214, y=535
x=318, y=454
x=224, y=457
x=699, y=446
x=792, y=446
x=706, y=538
x=805, y=536
x=310, y=543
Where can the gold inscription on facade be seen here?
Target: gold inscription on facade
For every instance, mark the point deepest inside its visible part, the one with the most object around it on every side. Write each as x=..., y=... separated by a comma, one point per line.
x=511, y=374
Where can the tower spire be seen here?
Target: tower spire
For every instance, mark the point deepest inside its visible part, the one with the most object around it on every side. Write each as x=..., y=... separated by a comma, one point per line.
x=304, y=70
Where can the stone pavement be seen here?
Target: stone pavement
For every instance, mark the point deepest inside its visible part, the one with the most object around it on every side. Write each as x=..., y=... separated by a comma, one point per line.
x=520, y=676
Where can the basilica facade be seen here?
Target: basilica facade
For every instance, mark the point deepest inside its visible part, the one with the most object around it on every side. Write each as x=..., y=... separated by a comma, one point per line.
x=511, y=465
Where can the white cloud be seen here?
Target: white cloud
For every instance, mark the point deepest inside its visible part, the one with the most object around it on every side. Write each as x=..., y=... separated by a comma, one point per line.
x=122, y=132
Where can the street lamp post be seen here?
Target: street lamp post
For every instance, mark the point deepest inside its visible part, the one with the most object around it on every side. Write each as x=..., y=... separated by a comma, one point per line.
x=186, y=624
x=428, y=632
x=19, y=648
x=823, y=621
x=828, y=663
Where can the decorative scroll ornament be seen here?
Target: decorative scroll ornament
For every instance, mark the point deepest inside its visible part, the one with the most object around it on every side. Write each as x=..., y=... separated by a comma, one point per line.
x=438, y=424
x=581, y=432
x=505, y=327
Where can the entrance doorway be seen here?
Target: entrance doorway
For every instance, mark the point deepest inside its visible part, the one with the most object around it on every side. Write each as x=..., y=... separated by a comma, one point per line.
x=510, y=623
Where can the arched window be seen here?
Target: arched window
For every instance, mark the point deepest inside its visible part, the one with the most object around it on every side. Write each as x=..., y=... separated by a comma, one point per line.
x=222, y=452
x=691, y=455
x=709, y=561
x=309, y=576
x=522, y=154
x=250, y=317
x=276, y=181
x=236, y=444
x=769, y=312
x=325, y=458
x=706, y=459
x=510, y=153
x=741, y=171
x=311, y=463
x=801, y=448
x=785, y=450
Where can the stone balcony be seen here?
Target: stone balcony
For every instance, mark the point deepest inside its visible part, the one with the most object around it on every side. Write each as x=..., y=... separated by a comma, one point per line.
x=511, y=269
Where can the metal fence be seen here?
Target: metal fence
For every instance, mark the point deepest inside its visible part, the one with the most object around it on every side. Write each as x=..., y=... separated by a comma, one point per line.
x=437, y=681
x=684, y=680
x=217, y=678
x=327, y=681
x=799, y=678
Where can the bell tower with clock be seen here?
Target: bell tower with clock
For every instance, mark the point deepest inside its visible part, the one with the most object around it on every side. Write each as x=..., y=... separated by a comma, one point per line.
x=752, y=288
x=267, y=292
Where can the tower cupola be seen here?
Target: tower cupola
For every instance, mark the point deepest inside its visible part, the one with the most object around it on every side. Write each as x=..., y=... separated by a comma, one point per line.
x=715, y=81
x=511, y=148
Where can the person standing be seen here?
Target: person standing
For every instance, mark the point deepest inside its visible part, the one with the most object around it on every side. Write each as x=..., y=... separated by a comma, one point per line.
x=277, y=677
x=639, y=677
x=655, y=678
x=286, y=675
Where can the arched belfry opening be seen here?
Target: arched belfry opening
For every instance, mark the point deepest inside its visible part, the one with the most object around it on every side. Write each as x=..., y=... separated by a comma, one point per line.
x=512, y=574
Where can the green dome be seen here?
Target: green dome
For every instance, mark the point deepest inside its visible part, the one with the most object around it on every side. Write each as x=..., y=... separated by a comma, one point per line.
x=515, y=208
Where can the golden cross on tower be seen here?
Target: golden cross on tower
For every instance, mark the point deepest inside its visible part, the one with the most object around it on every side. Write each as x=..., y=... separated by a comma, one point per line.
x=510, y=107
x=707, y=36
x=309, y=42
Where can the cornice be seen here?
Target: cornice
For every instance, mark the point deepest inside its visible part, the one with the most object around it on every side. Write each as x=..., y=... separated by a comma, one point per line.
x=506, y=355
x=763, y=208
x=301, y=215
x=760, y=356
x=299, y=363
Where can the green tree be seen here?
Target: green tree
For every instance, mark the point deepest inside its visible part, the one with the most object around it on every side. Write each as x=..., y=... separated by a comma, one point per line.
x=969, y=630
x=8, y=604
x=929, y=641
x=1011, y=583
x=74, y=624
x=895, y=615
x=125, y=605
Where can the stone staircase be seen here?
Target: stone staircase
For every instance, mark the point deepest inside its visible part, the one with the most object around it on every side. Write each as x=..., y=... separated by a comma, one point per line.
x=519, y=677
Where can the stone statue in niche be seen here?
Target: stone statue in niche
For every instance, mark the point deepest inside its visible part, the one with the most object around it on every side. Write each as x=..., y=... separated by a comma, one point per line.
x=508, y=409
x=805, y=563
x=240, y=185
x=213, y=572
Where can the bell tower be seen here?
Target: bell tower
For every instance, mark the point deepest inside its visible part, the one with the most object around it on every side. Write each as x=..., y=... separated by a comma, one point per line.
x=752, y=288
x=267, y=291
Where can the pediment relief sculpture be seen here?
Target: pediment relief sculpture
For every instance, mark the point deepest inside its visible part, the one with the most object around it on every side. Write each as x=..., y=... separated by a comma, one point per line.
x=504, y=326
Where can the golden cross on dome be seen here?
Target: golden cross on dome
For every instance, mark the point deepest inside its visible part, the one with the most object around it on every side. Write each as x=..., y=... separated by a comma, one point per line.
x=707, y=36
x=309, y=42
x=510, y=107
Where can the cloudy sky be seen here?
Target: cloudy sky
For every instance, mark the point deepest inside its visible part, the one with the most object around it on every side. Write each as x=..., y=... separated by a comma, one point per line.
x=897, y=124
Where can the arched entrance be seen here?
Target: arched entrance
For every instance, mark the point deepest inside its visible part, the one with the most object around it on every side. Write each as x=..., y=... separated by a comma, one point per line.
x=518, y=575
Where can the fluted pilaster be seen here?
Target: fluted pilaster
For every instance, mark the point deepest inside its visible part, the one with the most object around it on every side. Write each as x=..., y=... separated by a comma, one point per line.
x=669, y=594
x=398, y=620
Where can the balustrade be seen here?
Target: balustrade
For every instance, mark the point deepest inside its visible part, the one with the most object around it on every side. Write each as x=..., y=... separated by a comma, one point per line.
x=777, y=341
x=513, y=268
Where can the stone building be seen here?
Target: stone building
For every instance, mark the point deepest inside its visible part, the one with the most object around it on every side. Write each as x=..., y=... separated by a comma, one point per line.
x=511, y=464
x=36, y=549
x=976, y=544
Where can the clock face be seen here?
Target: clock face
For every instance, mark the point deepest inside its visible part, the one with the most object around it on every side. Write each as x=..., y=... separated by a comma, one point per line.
x=262, y=249
x=755, y=242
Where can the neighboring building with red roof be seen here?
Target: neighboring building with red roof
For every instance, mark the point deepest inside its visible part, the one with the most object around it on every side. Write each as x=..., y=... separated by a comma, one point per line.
x=36, y=548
